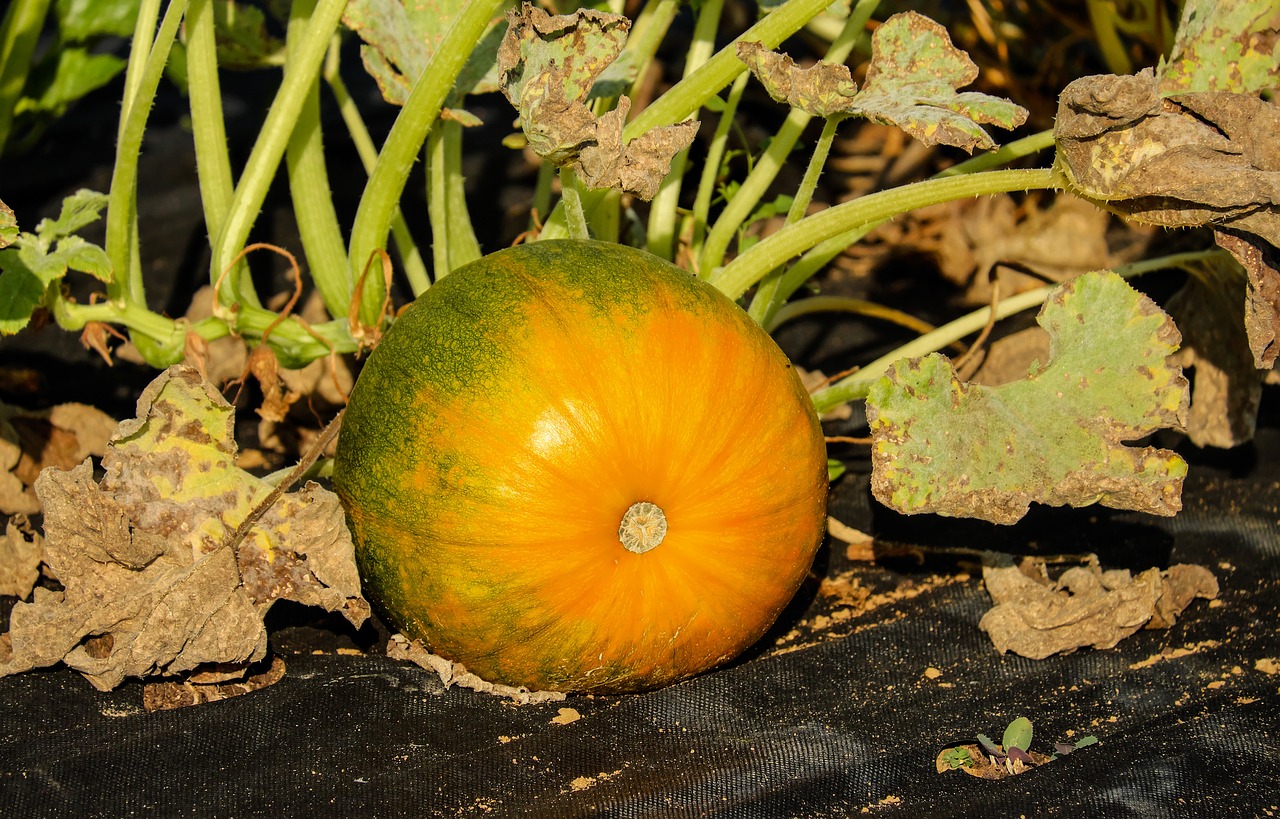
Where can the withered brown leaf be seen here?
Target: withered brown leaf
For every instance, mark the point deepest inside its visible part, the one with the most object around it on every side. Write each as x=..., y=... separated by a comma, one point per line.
x=1086, y=607
x=151, y=583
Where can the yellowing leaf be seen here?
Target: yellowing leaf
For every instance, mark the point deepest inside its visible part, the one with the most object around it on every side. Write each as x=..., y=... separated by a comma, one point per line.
x=1055, y=437
x=1224, y=46
x=400, y=37
x=549, y=65
x=153, y=582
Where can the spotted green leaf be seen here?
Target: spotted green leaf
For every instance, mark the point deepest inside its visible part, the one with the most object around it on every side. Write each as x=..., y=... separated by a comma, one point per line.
x=1055, y=437
x=1224, y=46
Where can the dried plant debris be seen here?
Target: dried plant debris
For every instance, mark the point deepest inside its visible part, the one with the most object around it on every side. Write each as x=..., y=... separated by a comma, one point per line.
x=987, y=760
x=549, y=66
x=31, y=440
x=1261, y=262
x=400, y=38
x=1193, y=143
x=1054, y=437
x=451, y=673
x=1226, y=386
x=1201, y=158
x=212, y=685
x=912, y=83
x=153, y=579
x=1036, y=617
x=21, y=552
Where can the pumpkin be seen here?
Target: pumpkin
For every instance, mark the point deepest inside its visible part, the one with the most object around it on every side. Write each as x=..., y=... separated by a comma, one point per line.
x=571, y=465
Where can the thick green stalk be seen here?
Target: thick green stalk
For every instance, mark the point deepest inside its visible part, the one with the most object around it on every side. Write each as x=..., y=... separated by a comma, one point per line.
x=663, y=217
x=711, y=167
x=126, y=280
x=768, y=298
x=691, y=93
x=18, y=38
x=415, y=268
x=822, y=253
x=453, y=239
x=766, y=169
x=386, y=183
x=736, y=277
x=273, y=138
x=208, y=130
x=309, y=189
x=856, y=386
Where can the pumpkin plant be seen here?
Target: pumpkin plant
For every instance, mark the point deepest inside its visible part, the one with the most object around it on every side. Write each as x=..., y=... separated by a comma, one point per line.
x=545, y=481
x=574, y=464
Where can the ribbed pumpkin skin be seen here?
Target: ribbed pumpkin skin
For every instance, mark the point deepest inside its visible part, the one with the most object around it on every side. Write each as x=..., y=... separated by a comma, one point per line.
x=511, y=416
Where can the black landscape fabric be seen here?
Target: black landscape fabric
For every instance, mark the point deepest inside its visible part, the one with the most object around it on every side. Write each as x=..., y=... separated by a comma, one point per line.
x=842, y=710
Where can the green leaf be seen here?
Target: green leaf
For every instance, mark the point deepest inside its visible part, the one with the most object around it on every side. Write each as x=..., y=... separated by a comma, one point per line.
x=1018, y=734
x=401, y=35
x=81, y=20
x=1054, y=437
x=835, y=469
x=243, y=42
x=21, y=292
x=77, y=254
x=84, y=207
x=72, y=73
x=1223, y=46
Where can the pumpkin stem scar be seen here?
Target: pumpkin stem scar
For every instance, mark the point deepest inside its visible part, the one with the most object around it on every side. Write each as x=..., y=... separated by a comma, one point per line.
x=643, y=527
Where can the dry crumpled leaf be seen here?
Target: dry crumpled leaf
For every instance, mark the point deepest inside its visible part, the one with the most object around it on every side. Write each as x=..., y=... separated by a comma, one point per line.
x=1036, y=618
x=21, y=551
x=211, y=686
x=31, y=440
x=1226, y=387
x=1261, y=262
x=152, y=580
x=402, y=648
x=1199, y=158
x=548, y=66
x=1065, y=239
x=912, y=83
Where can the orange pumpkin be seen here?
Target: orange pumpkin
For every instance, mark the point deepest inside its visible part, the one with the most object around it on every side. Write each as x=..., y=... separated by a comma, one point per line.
x=572, y=465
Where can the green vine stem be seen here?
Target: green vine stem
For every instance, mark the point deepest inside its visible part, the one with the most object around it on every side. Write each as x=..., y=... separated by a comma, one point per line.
x=713, y=165
x=415, y=268
x=453, y=239
x=309, y=189
x=845, y=304
x=692, y=92
x=736, y=277
x=856, y=386
x=571, y=197
x=663, y=211
x=268, y=149
x=408, y=133
x=821, y=254
x=19, y=35
x=774, y=158
x=141, y=83
x=208, y=130
x=768, y=298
